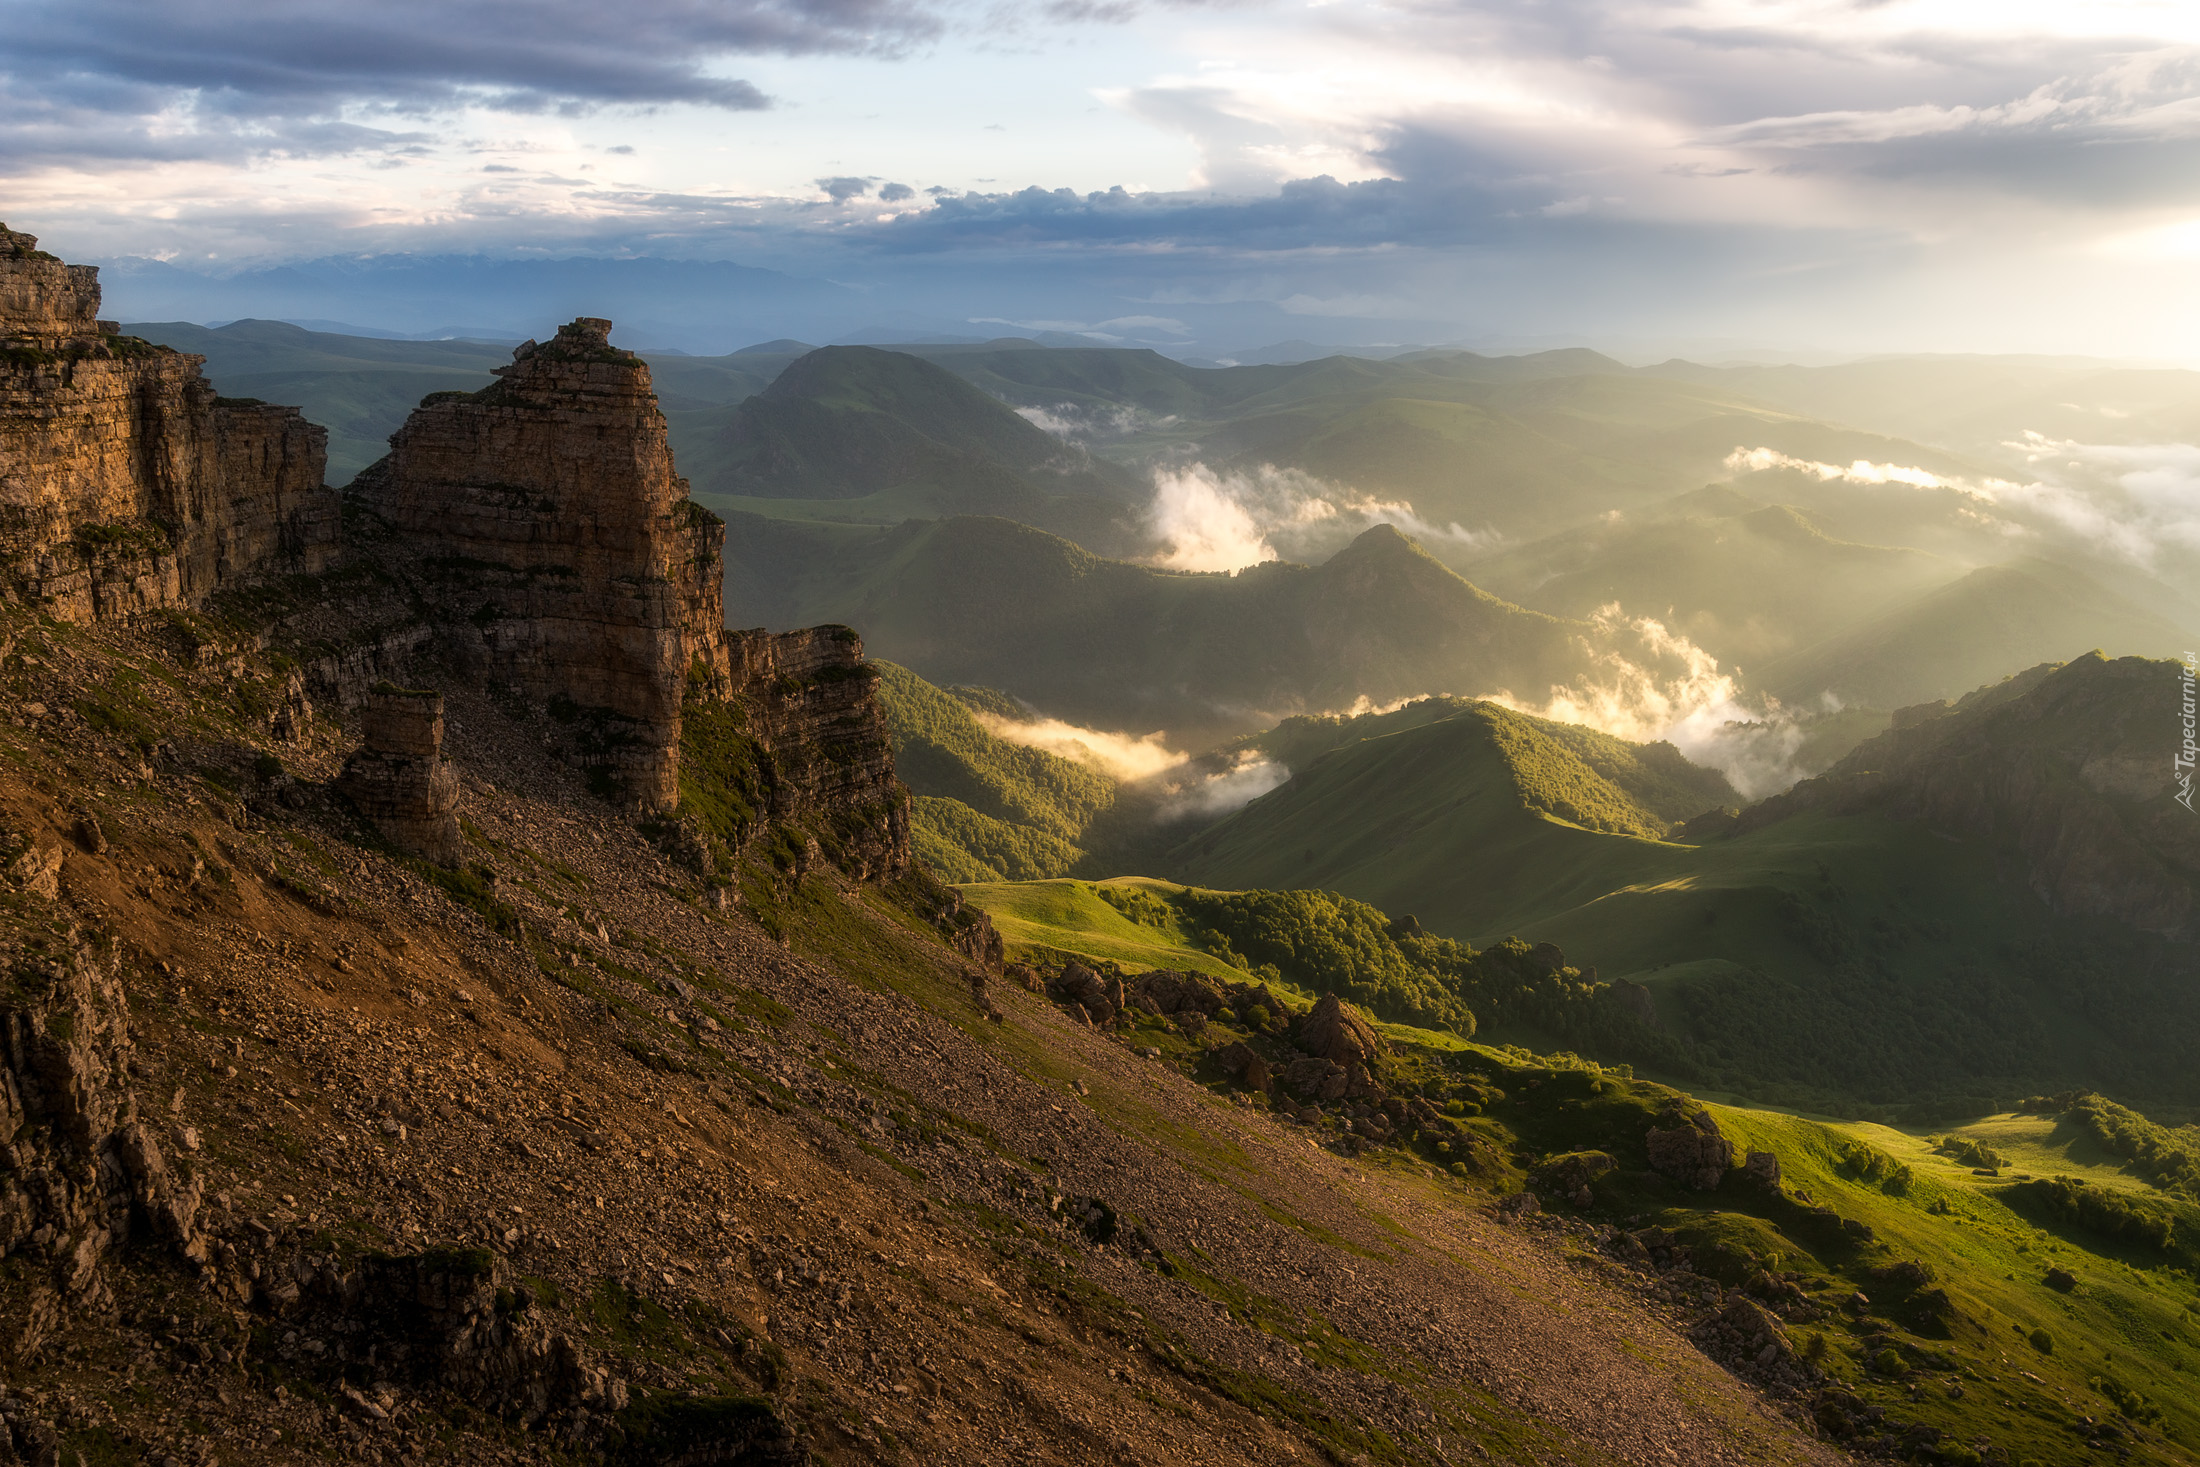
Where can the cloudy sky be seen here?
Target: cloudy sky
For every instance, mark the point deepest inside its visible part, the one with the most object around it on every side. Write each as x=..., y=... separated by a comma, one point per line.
x=1883, y=174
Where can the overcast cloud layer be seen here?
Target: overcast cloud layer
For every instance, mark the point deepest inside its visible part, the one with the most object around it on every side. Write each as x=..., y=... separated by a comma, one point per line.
x=1906, y=174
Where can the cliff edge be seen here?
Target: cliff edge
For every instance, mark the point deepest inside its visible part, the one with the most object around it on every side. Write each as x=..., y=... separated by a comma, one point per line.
x=126, y=484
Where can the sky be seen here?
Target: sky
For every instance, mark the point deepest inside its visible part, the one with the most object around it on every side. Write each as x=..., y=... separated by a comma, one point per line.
x=1880, y=175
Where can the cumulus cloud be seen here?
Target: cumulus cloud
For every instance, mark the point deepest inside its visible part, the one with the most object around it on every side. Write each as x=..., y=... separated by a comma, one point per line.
x=1202, y=519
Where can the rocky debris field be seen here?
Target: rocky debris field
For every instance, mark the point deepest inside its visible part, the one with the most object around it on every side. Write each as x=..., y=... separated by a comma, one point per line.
x=556, y=1154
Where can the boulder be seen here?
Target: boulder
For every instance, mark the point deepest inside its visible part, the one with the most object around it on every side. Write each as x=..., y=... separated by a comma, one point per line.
x=1572, y=1176
x=1761, y=1169
x=1689, y=1148
x=1315, y=1078
x=1334, y=1031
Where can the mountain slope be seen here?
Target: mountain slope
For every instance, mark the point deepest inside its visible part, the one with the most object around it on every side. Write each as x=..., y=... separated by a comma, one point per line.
x=1124, y=646
x=1745, y=580
x=986, y=809
x=853, y=432
x=1981, y=905
x=1974, y=631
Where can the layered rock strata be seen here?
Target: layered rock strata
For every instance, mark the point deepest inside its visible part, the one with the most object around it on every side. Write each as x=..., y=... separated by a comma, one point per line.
x=813, y=711
x=126, y=484
x=562, y=558
x=398, y=779
x=553, y=530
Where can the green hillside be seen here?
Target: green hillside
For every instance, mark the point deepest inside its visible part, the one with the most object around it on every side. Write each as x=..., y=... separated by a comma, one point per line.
x=1120, y=646
x=986, y=809
x=1934, y=923
x=1977, y=630
x=2007, y=1317
x=856, y=433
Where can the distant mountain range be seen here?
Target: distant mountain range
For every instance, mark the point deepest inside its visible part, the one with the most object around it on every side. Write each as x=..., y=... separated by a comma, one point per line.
x=1559, y=482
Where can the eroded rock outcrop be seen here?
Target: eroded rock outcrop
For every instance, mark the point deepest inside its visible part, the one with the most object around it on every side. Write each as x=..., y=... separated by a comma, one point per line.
x=80, y=1172
x=811, y=703
x=563, y=552
x=560, y=555
x=126, y=484
x=399, y=779
x=1687, y=1146
x=1334, y=1031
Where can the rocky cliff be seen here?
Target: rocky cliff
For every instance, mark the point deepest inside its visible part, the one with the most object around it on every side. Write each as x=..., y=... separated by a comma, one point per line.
x=545, y=518
x=557, y=555
x=126, y=485
x=2072, y=767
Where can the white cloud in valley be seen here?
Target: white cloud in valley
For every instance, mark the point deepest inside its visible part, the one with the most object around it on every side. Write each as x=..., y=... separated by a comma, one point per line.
x=2137, y=503
x=1645, y=683
x=1120, y=755
x=1204, y=519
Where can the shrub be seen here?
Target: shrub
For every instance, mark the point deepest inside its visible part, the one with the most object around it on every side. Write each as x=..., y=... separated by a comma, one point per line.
x=2042, y=1341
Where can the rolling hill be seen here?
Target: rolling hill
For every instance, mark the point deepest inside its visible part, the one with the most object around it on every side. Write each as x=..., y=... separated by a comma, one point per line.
x=1985, y=902
x=1519, y=446
x=1973, y=631
x=1745, y=580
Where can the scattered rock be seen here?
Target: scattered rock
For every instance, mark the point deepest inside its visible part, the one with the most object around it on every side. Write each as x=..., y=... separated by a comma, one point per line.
x=1689, y=1148
x=38, y=869
x=1761, y=1169
x=1334, y=1031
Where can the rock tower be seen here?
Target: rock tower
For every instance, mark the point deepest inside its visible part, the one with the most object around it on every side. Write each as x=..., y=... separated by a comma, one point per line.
x=549, y=519
x=560, y=555
x=399, y=779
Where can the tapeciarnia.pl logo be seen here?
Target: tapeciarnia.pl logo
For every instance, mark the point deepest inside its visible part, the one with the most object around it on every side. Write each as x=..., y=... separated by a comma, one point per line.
x=2187, y=751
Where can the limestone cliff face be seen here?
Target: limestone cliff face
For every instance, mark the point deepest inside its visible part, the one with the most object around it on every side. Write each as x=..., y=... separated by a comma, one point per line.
x=2072, y=767
x=126, y=485
x=548, y=519
x=560, y=555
